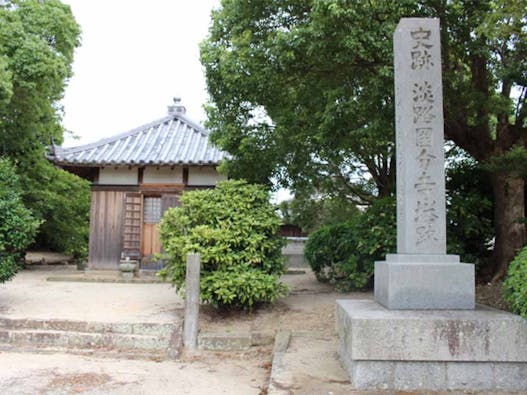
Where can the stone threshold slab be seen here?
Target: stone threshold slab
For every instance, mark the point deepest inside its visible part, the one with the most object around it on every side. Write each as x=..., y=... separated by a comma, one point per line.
x=105, y=279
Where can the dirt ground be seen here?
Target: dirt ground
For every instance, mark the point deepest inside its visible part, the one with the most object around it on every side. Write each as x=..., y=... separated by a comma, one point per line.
x=57, y=374
x=491, y=294
x=308, y=311
x=309, y=307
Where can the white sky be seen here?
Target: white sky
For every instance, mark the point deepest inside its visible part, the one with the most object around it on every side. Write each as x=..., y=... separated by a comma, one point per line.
x=134, y=58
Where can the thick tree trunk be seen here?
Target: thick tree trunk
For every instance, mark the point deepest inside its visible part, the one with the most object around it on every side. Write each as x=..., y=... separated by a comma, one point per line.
x=509, y=212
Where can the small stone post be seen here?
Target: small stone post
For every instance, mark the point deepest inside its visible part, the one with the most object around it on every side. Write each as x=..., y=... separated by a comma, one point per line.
x=191, y=324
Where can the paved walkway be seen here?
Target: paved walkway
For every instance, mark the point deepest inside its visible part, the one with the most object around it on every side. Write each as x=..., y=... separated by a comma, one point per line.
x=30, y=295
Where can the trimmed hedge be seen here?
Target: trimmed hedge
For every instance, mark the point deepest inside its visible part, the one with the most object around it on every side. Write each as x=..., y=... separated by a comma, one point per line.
x=344, y=254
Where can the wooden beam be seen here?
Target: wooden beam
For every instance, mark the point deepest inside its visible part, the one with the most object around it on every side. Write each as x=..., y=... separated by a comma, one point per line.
x=185, y=176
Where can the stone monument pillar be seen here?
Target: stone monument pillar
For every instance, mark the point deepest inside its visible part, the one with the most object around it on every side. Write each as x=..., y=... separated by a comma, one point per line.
x=421, y=275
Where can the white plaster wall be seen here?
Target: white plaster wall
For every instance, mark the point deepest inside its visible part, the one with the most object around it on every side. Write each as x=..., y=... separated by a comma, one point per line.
x=205, y=175
x=163, y=175
x=118, y=176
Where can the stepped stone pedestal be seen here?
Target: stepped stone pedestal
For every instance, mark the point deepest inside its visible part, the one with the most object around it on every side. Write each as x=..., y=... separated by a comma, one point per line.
x=481, y=349
x=423, y=331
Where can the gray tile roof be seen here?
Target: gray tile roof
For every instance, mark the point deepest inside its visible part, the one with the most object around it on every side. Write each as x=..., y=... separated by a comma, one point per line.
x=172, y=140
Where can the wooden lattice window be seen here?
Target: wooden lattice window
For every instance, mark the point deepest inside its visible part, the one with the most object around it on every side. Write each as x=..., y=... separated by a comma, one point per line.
x=152, y=210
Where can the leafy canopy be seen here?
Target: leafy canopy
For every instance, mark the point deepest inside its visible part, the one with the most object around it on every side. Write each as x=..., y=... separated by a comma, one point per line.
x=302, y=92
x=311, y=213
x=37, y=43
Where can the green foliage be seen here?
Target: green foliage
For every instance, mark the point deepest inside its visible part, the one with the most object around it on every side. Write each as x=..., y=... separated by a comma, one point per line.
x=512, y=161
x=37, y=43
x=17, y=225
x=302, y=95
x=302, y=90
x=344, y=254
x=234, y=229
x=470, y=212
x=515, y=286
x=62, y=201
x=310, y=214
x=241, y=289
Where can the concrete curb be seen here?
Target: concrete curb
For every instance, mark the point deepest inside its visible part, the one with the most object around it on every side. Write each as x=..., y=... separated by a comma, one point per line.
x=234, y=341
x=281, y=344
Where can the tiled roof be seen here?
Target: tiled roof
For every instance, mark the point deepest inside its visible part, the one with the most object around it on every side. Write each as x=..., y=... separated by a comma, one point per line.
x=173, y=140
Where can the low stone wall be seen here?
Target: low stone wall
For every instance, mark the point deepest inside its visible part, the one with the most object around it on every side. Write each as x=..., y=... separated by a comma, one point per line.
x=294, y=252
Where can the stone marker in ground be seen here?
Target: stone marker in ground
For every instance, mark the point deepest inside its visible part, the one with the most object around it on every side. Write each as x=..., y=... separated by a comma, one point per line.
x=422, y=331
x=192, y=293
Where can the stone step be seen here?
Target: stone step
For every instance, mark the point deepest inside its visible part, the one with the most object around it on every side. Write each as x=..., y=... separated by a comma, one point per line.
x=80, y=339
x=154, y=355
x=136, y=340
x=150, y=329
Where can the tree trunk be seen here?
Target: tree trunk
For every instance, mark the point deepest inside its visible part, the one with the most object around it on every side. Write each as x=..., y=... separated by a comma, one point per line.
x=509, y=212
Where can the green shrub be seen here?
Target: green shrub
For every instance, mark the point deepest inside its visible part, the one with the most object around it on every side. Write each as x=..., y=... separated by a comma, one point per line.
x=234, y=229
x=344, y=254
x=62, y=201
x=17, y=225
x=241, y=288
x=515, y=285
x=330, y=253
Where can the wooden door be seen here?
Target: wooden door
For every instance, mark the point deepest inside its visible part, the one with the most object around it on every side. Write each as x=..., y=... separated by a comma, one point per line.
x=106, y=229
x=151, y=216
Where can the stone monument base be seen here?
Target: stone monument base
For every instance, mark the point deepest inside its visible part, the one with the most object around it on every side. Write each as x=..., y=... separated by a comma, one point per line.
x=440, y=350
x=424, y=281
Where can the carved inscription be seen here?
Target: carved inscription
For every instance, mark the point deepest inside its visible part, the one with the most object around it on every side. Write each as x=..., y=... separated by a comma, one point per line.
x=424, y=112
x=421, y=56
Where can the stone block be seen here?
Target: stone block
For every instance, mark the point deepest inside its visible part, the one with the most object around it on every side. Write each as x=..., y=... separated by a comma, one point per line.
x=418, y=375
x=424, y=285
x=510, y=376
x=224, y=342
x=373, y=375
x=482, y=349
x=293, y=252
x=466, y=375
x=281, y=341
